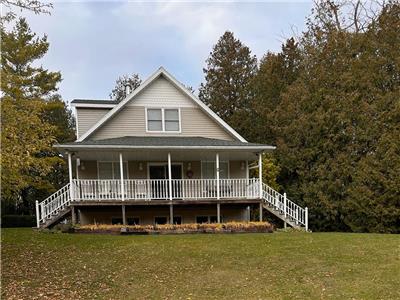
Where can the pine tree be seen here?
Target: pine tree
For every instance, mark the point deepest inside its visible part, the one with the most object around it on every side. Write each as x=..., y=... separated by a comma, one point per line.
x=229, y=72
x=29, y=123
x=119, y=92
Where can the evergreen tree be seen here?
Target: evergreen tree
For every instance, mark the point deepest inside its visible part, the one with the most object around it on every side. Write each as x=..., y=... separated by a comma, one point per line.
x=33, y=118
x=337, y=125
x=229, y=72
x=131, y=82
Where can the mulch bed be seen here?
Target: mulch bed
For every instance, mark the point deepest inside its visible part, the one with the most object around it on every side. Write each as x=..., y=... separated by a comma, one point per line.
x=251, y=227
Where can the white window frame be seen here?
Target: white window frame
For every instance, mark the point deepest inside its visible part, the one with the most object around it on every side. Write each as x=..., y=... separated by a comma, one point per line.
x=163, y=120
x=112, y=164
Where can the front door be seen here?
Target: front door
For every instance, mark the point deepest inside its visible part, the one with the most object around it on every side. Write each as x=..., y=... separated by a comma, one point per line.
x=159, y=186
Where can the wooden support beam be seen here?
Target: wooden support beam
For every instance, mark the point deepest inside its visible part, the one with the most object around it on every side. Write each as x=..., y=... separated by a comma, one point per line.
x=171, y=214
x=124, y=215
x=261, y=212
x=73, y=214
x=218, y=212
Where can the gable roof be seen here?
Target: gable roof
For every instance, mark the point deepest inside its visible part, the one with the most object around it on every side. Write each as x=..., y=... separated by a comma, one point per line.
x=161, y=72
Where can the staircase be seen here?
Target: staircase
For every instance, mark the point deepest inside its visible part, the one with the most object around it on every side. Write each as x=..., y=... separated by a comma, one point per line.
x=283, y=208
x=53, y=208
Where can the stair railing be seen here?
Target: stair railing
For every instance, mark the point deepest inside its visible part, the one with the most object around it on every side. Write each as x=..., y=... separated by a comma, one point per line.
x=286, y=207
x=52, y=204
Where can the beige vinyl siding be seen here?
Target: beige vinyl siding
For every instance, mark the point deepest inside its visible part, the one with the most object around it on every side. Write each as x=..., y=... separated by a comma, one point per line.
x=87, y=117
x=162, y=93
x=131, y=121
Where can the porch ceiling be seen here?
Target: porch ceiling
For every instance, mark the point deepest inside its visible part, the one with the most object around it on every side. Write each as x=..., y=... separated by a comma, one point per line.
x=161, y=155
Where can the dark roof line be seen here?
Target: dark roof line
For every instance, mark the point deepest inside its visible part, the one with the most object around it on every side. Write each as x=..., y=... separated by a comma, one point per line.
x=94, y=101
x=168, y=141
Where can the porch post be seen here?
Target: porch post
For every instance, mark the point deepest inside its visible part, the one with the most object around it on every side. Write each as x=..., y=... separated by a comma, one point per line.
x=284, y=208
x=260, y=173
x=71, y=186
x=73, y=214
x=218, y=212
x=121, y=170
x=123, y=215
x=217, y=169
x=171, y=214
x=306, y=218
x=261, y=211
x=169, y=176
x=37, y=214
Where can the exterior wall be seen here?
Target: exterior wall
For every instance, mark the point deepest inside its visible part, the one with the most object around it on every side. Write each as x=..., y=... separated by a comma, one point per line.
x=103, y=215
x=87, y=117
x=131, y=120
x=90, y=169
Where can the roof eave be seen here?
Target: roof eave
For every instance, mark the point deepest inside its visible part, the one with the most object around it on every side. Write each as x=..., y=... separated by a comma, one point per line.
x=138, y=147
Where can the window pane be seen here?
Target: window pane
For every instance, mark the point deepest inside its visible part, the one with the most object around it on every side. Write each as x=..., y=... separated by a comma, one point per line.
x=154, y=125
x=202, y=219
x=171, y=125
x=223, y=170
x=171, y=115
x=209, y=170
x=154, y=114
x=105, y=170
x=117, y=174
x=160, y=220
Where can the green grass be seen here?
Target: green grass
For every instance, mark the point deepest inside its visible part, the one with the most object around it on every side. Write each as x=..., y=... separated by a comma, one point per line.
x=242, y=266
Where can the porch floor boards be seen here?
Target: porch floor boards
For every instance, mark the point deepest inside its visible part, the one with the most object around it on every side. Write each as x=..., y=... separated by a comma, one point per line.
x=163, y=202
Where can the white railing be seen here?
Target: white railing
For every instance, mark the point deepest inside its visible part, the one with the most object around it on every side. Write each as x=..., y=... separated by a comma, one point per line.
x=53, y=204
x=148, y=189
x=286, y=207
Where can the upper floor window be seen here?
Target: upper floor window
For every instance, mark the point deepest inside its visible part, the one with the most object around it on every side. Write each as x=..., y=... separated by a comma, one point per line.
x=163, y=120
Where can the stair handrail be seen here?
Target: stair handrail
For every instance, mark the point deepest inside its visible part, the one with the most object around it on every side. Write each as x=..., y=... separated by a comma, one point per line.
x=52, y=204
x=284, y=205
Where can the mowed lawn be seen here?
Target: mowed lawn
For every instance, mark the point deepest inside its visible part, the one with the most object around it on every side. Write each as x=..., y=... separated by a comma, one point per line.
x=239, y=266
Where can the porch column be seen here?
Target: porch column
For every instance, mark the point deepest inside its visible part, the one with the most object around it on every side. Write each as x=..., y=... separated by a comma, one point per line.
x=123, y=215
x=73, y=214
x=71, y=186
x=217, y=169
x=169, y=176
x=260, y=173
x=261, y=211
x=218, y=212
x=121, y=170
x=171, y=214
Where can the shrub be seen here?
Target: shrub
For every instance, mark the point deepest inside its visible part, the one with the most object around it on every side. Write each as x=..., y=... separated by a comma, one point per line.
x=18, y=221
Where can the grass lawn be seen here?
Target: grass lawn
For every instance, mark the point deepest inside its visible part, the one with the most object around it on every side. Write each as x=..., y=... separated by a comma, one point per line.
x=241, y=266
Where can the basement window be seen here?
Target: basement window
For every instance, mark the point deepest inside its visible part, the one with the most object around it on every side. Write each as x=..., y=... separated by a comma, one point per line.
x=160, y=220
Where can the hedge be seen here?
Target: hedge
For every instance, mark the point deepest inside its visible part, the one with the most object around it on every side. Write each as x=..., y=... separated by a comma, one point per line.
x=18, y=221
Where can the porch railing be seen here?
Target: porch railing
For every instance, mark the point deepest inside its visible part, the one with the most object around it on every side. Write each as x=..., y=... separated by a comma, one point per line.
x=158, y=189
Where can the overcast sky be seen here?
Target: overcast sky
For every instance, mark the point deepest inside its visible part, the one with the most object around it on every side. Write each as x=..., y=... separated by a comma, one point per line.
x=92, y=43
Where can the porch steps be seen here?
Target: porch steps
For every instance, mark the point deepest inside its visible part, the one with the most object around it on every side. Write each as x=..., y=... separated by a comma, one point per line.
x=281, y=216
x=55, y=218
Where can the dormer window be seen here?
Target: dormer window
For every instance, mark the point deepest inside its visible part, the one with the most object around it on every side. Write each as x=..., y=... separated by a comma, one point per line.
x=163, y=120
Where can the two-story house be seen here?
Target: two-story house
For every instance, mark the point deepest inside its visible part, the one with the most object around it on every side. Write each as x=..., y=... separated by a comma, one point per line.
x=160, y=156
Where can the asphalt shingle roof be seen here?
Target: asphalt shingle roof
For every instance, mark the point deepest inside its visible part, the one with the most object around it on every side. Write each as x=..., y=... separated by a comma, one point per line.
x=93, y=101
x=170, y=141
